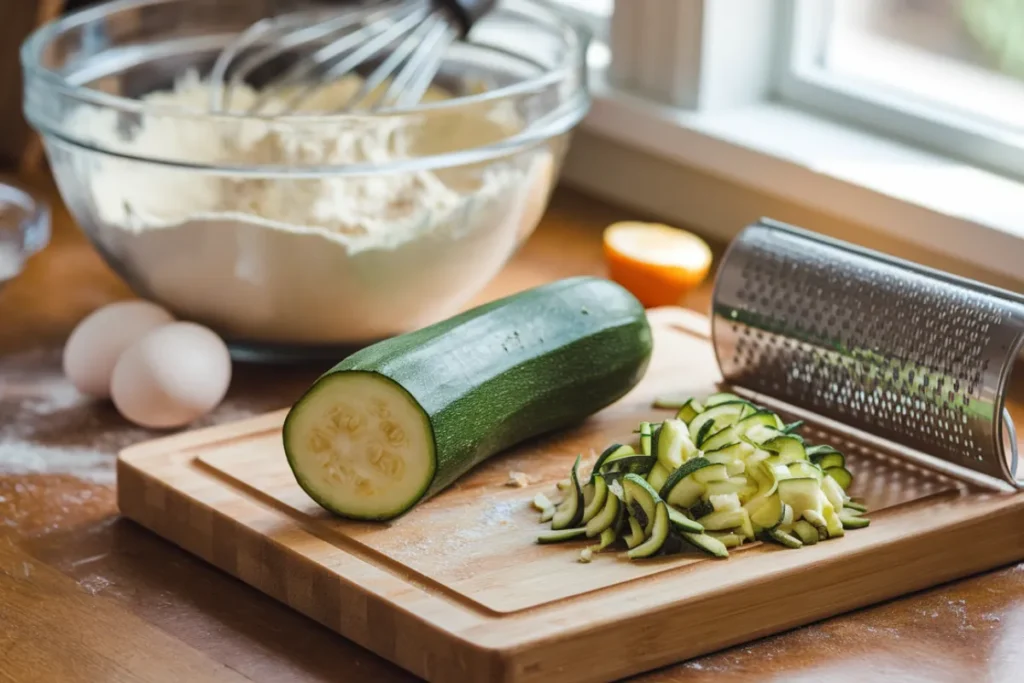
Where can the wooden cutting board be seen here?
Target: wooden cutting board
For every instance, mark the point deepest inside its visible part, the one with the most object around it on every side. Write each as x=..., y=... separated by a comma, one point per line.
x=458, y=591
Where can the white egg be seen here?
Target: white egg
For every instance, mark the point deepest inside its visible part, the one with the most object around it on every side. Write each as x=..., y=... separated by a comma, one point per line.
x=100, y=338
x=172, y=376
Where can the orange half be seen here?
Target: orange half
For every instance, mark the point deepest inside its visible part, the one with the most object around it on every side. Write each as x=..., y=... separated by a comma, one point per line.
x=657, y=263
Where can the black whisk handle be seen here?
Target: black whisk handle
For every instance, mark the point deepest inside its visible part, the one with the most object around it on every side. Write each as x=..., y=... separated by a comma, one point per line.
x=467, y=12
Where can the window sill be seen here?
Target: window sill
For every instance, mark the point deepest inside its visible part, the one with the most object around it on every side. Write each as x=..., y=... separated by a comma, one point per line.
x=945, y=207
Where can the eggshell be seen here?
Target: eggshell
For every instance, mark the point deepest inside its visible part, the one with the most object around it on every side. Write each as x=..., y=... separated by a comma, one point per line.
x=92, y=350
x=172, y=376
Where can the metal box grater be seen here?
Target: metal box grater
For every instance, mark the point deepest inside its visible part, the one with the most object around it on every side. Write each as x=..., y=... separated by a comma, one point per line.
x=912, y=355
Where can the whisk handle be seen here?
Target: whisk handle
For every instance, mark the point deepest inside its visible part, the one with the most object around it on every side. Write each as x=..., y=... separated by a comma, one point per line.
x=467, y=12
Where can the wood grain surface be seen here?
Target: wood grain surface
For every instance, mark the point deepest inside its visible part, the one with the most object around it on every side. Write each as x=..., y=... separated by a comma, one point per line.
x=58, y=512
x=458, y=590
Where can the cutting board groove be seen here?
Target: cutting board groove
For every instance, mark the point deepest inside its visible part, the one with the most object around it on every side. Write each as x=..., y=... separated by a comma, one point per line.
x=458, y=591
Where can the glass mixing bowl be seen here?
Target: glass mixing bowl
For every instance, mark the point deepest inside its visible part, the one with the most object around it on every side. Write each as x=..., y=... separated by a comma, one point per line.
x=313, y=230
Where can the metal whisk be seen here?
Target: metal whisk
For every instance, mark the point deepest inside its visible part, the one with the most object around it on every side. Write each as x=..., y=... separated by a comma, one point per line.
x=413, y=34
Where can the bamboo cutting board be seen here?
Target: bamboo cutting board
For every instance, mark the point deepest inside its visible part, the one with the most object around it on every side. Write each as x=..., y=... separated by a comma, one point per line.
x=458, y=591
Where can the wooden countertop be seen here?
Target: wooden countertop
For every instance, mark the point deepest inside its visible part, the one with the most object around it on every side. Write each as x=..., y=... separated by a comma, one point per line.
x=86, y=596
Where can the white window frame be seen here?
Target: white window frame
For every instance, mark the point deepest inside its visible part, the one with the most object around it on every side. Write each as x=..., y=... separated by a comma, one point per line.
x=691, y=88
x=803, y=81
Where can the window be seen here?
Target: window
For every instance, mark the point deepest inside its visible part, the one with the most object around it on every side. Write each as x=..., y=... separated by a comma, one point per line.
x=945, y=74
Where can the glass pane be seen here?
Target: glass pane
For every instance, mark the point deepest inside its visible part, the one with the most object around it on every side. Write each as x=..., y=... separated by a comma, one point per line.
x=966, y=55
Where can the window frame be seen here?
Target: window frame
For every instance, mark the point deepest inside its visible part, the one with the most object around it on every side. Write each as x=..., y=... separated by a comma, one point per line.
x=802, y=82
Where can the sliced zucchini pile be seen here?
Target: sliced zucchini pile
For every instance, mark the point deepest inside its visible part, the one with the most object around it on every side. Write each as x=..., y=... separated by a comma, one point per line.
x=721, y=473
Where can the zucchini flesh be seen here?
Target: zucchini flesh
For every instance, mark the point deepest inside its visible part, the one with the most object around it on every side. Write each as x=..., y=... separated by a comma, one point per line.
x=674, y=445
x=657, y=477
x=401, y=420
x=645, y=438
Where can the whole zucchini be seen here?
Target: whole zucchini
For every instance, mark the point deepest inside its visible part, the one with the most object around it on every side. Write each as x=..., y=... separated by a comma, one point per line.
x=398, y=421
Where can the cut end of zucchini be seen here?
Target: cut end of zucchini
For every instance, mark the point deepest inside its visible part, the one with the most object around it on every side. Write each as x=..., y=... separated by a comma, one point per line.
x=360, y=446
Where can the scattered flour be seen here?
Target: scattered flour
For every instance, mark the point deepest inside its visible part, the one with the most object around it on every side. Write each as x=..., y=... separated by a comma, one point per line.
x=303, y=259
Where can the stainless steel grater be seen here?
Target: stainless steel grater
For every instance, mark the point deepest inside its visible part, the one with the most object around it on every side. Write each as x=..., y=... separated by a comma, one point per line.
x=911, y=355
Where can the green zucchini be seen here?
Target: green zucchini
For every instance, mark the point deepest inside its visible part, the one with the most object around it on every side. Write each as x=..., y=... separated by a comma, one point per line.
x=608, y=536
x=399, y=421
x=641, y=499
x=645, y=438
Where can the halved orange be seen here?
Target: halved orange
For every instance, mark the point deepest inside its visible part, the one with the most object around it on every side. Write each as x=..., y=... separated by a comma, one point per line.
x=657, y=263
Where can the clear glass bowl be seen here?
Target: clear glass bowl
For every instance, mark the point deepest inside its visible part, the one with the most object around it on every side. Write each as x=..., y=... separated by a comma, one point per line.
x=24, y=229
x=310, y=231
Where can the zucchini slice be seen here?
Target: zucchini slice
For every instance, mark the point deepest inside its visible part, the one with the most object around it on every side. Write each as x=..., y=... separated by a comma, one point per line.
x=729, y=539
x=681, y=522
x=800, y=495
x=782, y=538
x=723, y=520
x=672, y=401
x=788, y=448
x=674, y=445
x=597, y=500
x=830, y=460
x=715, y=418
x=548, y=514
x=542, y=502
x=833, y=492
x=610, y=453
x=841, y=475
x=639, y=494
x=645, y=437
x=658, y=534
x=707, y=543
x=720, y=439
x=608, y=536
x=657, y=477
x=804, y=469
x=768, y=513
x=833, y=524
x=724, y=502
x=859, y=507
x=560, y=535
x=570, y=511
x=805, y=531
x=853, y=521
x=689, y=410
x=606, y=518
x=636, y=533
x=722, y=397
